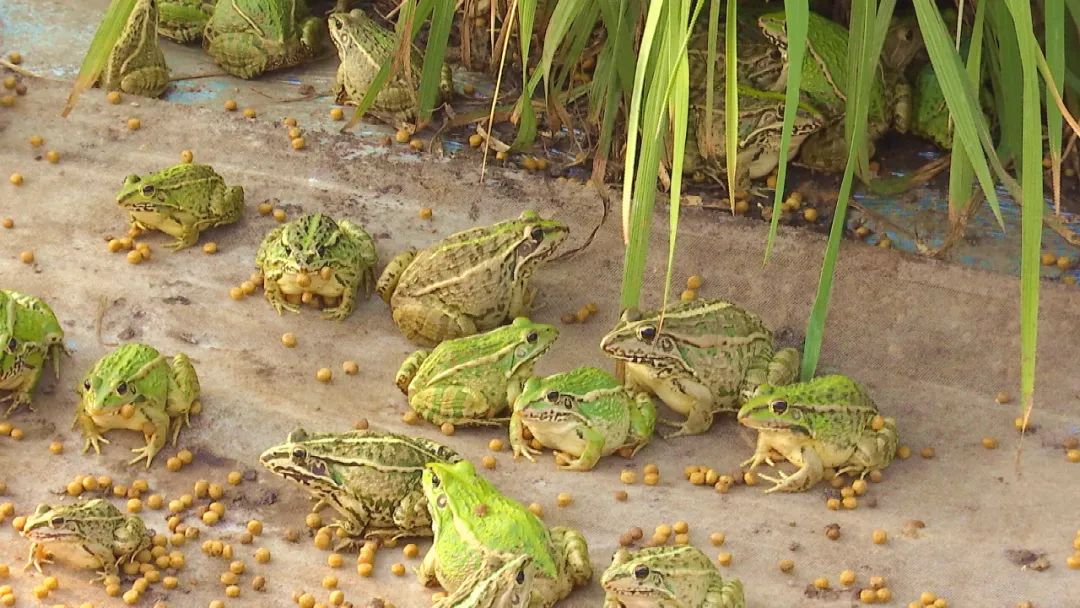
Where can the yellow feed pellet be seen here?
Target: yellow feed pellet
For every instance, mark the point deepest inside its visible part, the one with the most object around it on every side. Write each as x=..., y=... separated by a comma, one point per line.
x=234, y=478
x=425, y=213
x=298, y=143
x=724, y=558
x=279, y=215
x=403, y=136
x=337, y=114
x=488, y=462
x=364, y=569
x=134, y=124
x=879, y=536
x=536, y=509
x=564, y=499
x=210, y=248
x=447, y=428
x=847, y=578
x=786, y=565
x=113, y=97
x=16, y=179
x=350, y=368
x=324, y=374
x=262, y=555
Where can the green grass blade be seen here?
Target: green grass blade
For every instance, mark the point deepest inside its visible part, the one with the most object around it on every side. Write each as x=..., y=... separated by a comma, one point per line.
x=970, y=129
x=731, y=100
x=798, y=17
x=864, y=36
x=1054, y=34
x=1010, y=122
x=108, y=32
x=442, y=18
x=562, y=19
x=961, y=174
x=1032, y=189
x=707, y=141
x=524, y=109
x=678, y=94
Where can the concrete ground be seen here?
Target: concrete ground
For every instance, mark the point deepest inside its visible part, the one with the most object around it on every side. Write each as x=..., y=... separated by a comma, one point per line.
x=933, y=342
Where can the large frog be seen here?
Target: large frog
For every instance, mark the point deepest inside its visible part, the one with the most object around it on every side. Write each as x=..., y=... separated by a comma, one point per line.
x=469, y=282
x=585, y=413
x=931, y=119
x=825, y=83
x=363, y=46
x=761, y=119
x=668, y=577
x=249, y=37
x=509, y=586
x=703, y=357
x=472, y=380
x=181, y=201
x=30, y=337
x=759, y=62
x=371, y=478
x=136, y=64
x=89, y=534
x=477, y=529
x=828, y=422
x=316, y=255
x=137, y=388
x=184, y=20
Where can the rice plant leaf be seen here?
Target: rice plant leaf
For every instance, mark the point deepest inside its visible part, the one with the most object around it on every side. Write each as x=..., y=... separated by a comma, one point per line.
x=707, y=141
x=562, y=19
x=526, y=125
x=798, y=16
x=731, y=100
x=970, y=129
x=108, y=32
x=961, y=174
x=1032, y=192
x=1054, y=34
x=858, y=101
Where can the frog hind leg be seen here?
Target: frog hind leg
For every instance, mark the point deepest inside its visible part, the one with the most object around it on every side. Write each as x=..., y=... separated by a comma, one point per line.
x=455, y=404
x=388, y=280
x=810, y=471
x=231, y=206
x=158, y=426
x=427, y=571
x=343, y=308
x=241, y=55
x=149, y=81
x=369, y=257
x=780, y=368
x=408, y=369
x=430, y=322
x=874, y=450
x=570, y=549
x=183, y=393
x=692, y=398
x=411, y=516
x=725, y=594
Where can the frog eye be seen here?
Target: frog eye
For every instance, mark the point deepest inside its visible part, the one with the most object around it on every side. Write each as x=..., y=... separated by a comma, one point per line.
x=434, y=480
x=778, y=407
x=148, y=190
x=121, y=388
x=537, y=234
x=86, y=385
x=641, y=572
x=520, y=578
x=532, y=337
x=299, y=454
x=552, y=396
x=57, y=522
x=647, y=333
x=12, y=344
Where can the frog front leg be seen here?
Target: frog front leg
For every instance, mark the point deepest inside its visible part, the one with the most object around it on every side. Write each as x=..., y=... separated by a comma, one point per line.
x=155, y=431
x=388, y=280
x=92, y=437
x=642, y=413
x=594, y=448
x=725, y=594
x=426, y=571
x=411, y=516
x=22, y=390
x=273, y=294
x=518, y=442
x=810, y=471
x=241, y=55
x=781, y=367
x=571, y=552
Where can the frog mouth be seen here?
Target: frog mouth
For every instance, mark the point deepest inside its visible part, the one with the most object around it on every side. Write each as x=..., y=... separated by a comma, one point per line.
x=546, y=415
x=50, y=535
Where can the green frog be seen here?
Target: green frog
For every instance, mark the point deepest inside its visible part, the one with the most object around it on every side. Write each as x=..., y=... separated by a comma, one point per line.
x=30, y=337
x=316, y=255
x=825, y=83
x=137, y=388
x=699, y=357
x=86, y=534
x=184, y=20
x=761, y=119
x=508, y=586
x=371, y=478
x=828, y=422
x=668, y=577
x=472, y=380
x=136, y=64
x=758, y=62
x=585, y=414
x=249, y=37
x=471, y=281
x=931, y=119
x=477, y=529
x=363, y=46
x=181, y=201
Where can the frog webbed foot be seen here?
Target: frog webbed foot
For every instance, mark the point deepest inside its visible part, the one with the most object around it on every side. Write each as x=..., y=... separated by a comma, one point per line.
x=17, y=399
x=93, y=439
x=148, y=451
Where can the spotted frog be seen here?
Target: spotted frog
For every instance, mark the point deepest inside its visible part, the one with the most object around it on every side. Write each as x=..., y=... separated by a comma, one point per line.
x=30, y=337
x=136, y=64
x=87, y=534
x=668, y=577
x=249, y=37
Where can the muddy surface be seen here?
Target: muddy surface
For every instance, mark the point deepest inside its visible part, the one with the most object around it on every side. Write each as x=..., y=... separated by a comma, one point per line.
x=933, y=342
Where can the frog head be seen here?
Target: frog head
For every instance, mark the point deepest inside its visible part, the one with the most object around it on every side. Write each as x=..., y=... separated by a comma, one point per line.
x=453, y=490
x=512, y=346
x=510, y=586
x=646, y=339
x=294, y=460
x=805, y=407
x=903, y=43
x=657, y=576
x=773, y=408
x=124, y=376
x=557, y=408
x=139, y=193
x=519, y=245
x=359, y=37
x=68, y=523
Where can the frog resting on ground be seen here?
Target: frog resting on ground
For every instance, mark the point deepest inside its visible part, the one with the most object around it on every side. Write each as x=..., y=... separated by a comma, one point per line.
x=828, y=422
x=181, y=201
x=249, y=37
x=136, y=64
x=315, y=256
x=473, y=380
x=137, y=388
x=363, y=46
x=371, y=478
x=477, y=529
x=585, y=414
x=707, y=356
x=469, y=282
x=508, y=586
x=668, y=577
x=30, y=337
x=89, y=534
